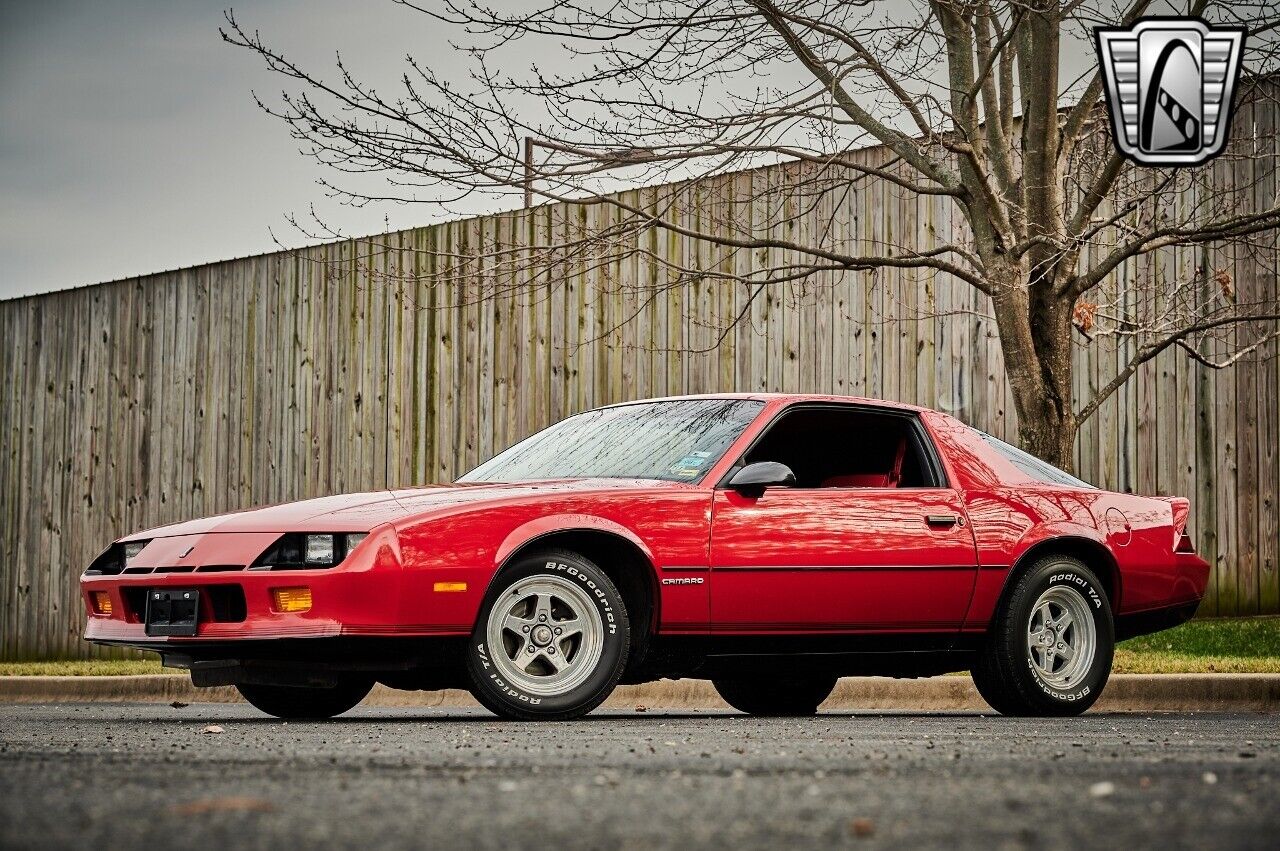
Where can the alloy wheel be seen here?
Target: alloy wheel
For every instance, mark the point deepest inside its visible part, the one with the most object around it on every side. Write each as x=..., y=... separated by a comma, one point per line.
x=545, y=635
x=1061, y=637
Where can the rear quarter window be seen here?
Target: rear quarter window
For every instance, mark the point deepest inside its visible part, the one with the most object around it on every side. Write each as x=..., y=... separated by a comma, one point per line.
x=1031, y=466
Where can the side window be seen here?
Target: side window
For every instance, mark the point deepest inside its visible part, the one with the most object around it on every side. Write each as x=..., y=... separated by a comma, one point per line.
x=839, y=447
x=1031, y=466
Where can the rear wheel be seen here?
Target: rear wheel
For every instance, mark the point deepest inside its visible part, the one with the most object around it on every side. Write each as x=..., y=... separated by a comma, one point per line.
x=551, y=641
x=1050, y=646
x=306, y=701
x=768, y=695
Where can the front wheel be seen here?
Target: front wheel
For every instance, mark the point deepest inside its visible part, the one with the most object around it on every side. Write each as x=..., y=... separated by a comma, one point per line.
x=1050, y=646
x=551, y=641
x=776, y=696
x=306, y=701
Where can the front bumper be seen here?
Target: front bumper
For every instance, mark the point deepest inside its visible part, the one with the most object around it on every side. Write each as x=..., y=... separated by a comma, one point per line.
x=335, y=606
x=361, y=597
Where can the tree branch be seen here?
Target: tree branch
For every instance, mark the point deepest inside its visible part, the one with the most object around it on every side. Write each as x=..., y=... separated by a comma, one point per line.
x=1151, y=350
x=893, y=139
x=1236, y=226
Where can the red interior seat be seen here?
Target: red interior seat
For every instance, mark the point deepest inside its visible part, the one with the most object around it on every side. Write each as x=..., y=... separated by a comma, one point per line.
x=888, y=479
x=857, y=480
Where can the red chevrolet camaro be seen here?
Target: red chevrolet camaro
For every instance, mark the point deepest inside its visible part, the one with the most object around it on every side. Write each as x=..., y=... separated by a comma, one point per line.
x=769, y=543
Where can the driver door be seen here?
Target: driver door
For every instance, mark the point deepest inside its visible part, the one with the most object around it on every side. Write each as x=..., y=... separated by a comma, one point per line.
x=829, y=557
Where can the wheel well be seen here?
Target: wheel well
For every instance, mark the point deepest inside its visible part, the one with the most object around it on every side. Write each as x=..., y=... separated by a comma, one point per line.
x=623, y=562
x=1092, y=553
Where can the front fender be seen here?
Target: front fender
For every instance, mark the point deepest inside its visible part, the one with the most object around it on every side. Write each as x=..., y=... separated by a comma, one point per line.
x=450, y=560
x=539, y=527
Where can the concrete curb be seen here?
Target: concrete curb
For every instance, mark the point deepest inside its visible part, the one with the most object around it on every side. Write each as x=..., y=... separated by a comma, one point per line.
x=1124, y=693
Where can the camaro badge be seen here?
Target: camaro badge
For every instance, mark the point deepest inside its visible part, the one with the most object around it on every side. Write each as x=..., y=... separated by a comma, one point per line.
x=1169, y=83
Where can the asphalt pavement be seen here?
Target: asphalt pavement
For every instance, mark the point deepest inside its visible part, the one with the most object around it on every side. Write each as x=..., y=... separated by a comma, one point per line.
x=223, y=776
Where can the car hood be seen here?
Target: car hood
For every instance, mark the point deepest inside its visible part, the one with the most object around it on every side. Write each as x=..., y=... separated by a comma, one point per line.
x=361, y=512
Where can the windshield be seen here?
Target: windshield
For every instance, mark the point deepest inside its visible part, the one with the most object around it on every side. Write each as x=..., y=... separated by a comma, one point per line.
x=677, y=441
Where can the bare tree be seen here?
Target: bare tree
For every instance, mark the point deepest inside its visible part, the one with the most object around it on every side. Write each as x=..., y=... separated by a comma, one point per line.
x=967, y=98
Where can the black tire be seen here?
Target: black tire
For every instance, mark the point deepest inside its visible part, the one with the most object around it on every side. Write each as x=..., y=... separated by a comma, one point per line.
x=776, y=695
x=306, y=701
x=507, y=698
x=1005, y=671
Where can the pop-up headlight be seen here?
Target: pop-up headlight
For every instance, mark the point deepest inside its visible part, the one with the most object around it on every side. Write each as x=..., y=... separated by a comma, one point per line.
x=132, y=548
x=320, y=550
x=308, y=551
x=113, y=559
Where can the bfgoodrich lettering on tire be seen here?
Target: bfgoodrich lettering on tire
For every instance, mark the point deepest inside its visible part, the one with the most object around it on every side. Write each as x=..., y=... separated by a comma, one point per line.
x=551, y=640
x=1050, y=646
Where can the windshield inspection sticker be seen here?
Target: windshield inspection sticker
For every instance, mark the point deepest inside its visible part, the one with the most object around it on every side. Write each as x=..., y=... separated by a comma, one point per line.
x=688, y=467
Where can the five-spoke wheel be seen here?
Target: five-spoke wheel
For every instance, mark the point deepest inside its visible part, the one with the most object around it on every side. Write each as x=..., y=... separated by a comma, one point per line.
x=1061, y=637
x=545, y=635
x=1049, y=648
x=551, y=640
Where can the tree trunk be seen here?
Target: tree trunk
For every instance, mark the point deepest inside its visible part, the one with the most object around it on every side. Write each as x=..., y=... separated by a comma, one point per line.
x=1046, y=431
x=1035, y=337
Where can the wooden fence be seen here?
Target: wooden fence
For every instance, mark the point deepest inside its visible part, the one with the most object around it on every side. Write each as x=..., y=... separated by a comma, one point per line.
x=409, y=358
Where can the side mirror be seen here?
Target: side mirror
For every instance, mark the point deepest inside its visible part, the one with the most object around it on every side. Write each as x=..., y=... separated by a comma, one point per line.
x=752, y=479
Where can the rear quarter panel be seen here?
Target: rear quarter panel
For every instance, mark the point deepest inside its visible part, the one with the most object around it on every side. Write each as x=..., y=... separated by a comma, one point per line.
x=670, y=525
x=1140, y=533
x=1008, y=513
x=1009, y=521
x=1011, y=513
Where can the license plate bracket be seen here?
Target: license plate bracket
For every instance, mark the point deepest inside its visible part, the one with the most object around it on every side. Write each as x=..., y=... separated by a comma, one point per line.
x=172, y=611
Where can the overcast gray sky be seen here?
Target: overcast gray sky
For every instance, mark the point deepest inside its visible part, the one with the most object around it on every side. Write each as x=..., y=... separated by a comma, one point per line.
x=129, y=142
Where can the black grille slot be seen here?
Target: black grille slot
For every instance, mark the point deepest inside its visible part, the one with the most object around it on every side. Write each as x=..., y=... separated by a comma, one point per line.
x=135, y=600
x=227, y=602
x=179, y=568
x=219, y=568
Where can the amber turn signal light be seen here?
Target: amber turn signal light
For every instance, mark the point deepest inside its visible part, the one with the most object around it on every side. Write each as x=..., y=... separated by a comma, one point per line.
x=449, y=587
x=101, y=601
x=291, y=599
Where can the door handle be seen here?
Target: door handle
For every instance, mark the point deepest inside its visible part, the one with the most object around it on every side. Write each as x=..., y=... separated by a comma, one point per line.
x=942, y=520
